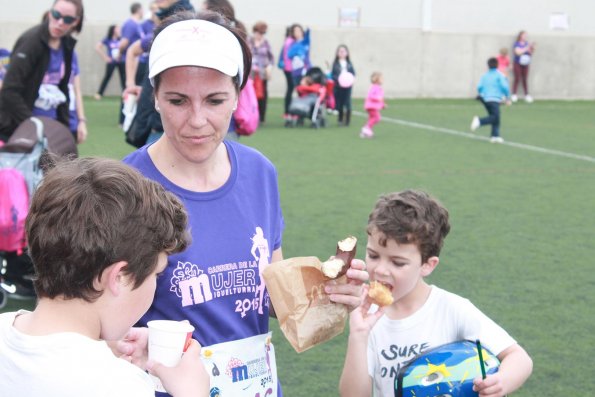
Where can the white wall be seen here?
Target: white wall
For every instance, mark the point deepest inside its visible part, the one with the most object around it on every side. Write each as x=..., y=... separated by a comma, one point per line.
x=462, y=16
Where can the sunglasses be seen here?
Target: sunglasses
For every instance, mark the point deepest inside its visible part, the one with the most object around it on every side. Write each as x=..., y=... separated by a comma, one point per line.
x=66, y=18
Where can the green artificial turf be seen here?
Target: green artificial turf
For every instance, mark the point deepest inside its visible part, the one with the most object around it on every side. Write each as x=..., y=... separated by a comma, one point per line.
x=522, y=217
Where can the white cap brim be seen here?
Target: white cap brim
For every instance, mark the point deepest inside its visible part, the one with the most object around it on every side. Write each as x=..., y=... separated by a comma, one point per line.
x=196, y=43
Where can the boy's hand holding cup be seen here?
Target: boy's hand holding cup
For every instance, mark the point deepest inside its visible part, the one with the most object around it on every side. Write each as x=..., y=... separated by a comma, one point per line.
x=168, y=340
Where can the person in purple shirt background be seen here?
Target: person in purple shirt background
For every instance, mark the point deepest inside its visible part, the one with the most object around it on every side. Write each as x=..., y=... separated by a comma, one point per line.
x=109, y=51
x=132, y=31
x=147, y=26
x=523, y=54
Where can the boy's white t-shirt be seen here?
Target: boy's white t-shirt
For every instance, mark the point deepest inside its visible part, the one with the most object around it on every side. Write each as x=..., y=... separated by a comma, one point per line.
x=444, y=318
x=64, y=365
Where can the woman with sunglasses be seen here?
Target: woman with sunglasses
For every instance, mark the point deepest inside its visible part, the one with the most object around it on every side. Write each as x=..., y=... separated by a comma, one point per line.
x=44, y=50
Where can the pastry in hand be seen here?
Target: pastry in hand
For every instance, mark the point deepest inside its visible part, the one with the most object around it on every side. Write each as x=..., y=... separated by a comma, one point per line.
x=338, y=266
x=380, y=294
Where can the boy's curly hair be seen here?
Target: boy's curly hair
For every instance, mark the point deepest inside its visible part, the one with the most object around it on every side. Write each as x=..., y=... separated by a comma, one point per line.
x=411, y=217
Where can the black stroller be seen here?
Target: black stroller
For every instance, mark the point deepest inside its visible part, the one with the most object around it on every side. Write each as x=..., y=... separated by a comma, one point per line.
x=25, y=151
x=310, y=103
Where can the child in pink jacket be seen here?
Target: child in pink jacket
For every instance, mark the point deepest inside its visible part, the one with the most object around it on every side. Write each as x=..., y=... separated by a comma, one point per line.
x=373, y=104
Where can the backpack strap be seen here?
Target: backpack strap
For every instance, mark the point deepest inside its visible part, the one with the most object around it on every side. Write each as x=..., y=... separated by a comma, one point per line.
x=38, y=128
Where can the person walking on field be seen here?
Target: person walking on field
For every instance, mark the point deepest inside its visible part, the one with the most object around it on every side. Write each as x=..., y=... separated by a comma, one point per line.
x=373, y=104
x=492, y=89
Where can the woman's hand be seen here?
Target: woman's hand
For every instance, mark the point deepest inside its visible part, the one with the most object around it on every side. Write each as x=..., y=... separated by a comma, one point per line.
x=350, y=293
x=132, y=89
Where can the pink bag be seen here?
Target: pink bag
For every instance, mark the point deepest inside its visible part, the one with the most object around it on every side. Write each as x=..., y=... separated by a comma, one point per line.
x=14, y=205
x=246, y=115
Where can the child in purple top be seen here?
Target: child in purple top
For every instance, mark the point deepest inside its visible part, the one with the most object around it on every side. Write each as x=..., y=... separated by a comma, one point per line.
x=373, y=104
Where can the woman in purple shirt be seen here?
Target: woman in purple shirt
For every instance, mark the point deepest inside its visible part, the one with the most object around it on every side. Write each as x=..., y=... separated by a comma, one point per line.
x=109, y=50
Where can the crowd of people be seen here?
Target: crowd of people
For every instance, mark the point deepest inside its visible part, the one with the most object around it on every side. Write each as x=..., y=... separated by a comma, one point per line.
x=125, y=49
x=173, y=206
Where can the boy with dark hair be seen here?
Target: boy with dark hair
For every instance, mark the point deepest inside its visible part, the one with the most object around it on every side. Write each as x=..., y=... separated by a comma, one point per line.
x=99, y=234
x=406, y=231
x=492, y=89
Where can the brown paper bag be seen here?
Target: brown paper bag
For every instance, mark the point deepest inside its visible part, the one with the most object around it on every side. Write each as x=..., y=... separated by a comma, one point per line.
x=306, y=315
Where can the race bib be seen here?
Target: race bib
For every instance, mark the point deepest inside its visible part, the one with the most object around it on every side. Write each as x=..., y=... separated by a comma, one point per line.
x=115, y=53
x=242, y=368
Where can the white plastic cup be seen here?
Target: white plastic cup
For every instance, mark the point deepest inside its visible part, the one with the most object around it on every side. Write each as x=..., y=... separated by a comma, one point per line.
x=167, y=341
x=130, y=104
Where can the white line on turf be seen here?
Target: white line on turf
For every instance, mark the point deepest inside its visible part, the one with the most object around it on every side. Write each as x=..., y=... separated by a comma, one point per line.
x=469, y=135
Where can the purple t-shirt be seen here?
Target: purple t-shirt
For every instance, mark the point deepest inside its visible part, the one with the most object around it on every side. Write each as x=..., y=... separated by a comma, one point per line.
x=49, y=93
x=112, y=48
x=147, y=26
x=132, y=31
x=235, y=229
x=145, y=44
x=522, y=45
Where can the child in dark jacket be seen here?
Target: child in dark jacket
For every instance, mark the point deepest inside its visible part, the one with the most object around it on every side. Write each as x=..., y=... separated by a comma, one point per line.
x=343, y=75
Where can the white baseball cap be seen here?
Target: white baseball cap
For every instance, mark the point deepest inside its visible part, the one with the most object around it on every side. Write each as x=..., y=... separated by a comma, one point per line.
x=196, y=42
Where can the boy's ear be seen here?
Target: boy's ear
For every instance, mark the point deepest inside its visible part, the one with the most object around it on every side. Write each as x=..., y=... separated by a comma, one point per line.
x=428, y=267
x=113, y=278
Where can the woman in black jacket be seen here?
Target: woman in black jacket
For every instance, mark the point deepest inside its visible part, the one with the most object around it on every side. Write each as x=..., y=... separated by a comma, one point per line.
x=31, y=57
